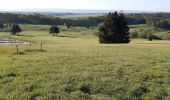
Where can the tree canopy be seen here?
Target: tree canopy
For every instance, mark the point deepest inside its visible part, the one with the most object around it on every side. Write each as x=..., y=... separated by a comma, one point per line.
x=114, y=29
x=54, y=30
x=15, y=29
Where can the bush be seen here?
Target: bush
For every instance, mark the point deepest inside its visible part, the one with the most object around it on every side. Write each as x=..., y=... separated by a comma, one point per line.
x=148, y=34
x=134, y=34
x=156, y=37
x=149, y=37
x=143, y=35
x=167, y=37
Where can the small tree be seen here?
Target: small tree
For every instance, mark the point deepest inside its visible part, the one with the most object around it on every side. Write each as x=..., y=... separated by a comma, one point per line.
x=88, y=26
x=2, y=26
x=67, y=24
x=150, y=37
x=54, y=30
x=114, y=29
x=15, y=29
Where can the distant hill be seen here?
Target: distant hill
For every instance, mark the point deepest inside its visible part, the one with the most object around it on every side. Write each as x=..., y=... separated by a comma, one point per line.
x=67, y=12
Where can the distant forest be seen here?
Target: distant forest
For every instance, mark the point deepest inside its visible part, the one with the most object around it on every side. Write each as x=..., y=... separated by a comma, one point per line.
x=157, y=20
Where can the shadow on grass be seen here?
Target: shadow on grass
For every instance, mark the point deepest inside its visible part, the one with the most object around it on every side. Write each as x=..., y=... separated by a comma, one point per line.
x=26, y=35
x=35, y=50
x=28, y=51
x=35, y=97
x=67, y=36
x=19, y=53
x=150, y=43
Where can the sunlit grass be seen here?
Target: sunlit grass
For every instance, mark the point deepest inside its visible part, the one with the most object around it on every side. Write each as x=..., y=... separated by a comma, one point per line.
x=75, y=66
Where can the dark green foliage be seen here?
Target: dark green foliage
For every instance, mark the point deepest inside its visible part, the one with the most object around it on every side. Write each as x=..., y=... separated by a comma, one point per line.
x=156, y=37
x=2, y=26
x=149, y=37
x=144, y=33
x=54, y=30
x=67, y=24
x=85, y=89
x=11, y=74
x=15, y=29
x=114, y=29
x=148, y=34
x=134, y=35
x=69, y=89
x=158, y=22
x=138, y=92
x=88, y=26
x=133, y=19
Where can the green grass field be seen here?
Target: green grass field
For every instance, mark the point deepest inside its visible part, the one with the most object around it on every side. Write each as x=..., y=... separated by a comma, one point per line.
x=74, y=66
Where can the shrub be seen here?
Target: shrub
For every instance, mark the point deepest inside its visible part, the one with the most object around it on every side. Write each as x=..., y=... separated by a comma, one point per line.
x=149, y=37
x=134, y=34
x=156, y=37
x=167, y=37
x=148, y=34
x=143, y=35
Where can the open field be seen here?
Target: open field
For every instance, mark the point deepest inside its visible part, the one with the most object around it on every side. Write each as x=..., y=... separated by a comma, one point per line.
x=75, y=66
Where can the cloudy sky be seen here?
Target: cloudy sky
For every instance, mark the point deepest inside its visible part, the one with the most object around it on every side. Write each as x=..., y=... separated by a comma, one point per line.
x=143, y=5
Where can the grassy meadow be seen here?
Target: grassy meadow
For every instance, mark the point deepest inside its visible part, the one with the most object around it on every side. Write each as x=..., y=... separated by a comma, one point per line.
x=74, y=66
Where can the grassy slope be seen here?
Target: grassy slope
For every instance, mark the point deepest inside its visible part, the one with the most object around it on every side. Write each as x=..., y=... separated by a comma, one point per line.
x=75, y=66
x=158, y=32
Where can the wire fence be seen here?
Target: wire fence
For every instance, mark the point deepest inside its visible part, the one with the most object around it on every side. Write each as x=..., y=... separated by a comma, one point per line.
x=7, y=41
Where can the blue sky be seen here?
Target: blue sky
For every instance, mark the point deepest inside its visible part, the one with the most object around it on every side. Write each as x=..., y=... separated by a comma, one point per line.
x=143, y=5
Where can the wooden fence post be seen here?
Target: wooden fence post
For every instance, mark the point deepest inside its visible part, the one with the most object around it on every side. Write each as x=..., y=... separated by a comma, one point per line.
x=41, y=46
x=17, y=50
x=10, y=39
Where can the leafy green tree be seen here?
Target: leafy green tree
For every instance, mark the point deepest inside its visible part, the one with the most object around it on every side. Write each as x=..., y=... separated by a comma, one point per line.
x=67, y=25
x=114, y=29
x=54, y=30
x=150, y=37
x=2, y=26
x=15, y=29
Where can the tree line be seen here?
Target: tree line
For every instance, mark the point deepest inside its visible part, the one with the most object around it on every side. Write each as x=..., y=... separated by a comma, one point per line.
x=113, y=29
x=49, y=20
x=159, y=20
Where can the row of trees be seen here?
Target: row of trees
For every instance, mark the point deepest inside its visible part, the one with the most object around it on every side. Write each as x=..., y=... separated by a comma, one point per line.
x=132, y=18
x=54, y=30
x=158, y=23
x=49, y=20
